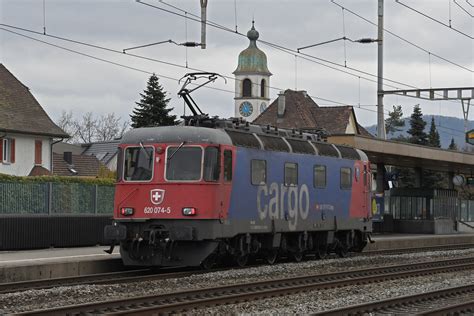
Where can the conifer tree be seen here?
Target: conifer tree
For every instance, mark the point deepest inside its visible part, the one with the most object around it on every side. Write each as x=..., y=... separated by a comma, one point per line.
x=453, y=145
x=152, y=109
x=433, y=136
x=417, y=127
x=394, y=122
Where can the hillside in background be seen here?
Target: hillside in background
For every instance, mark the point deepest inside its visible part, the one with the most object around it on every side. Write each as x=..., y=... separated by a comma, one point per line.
x=448, y=127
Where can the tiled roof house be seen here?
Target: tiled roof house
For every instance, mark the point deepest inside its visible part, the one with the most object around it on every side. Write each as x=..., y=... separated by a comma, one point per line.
x=69, y=164
x=106, y=152
x=296, y=109
x=26, y=131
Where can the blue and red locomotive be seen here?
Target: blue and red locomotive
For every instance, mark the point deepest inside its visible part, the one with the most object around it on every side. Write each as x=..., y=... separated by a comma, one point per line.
x=192, y=195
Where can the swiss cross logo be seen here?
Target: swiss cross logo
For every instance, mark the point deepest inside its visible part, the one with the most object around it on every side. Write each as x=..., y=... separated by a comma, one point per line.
x=157, y=196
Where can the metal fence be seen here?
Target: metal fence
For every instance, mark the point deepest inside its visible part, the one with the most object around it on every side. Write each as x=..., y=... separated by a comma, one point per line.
x=466, y=211
x=56, y=198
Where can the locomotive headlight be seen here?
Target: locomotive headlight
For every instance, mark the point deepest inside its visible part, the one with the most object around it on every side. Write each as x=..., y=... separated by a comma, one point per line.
x=126, y=211
x=189, y=211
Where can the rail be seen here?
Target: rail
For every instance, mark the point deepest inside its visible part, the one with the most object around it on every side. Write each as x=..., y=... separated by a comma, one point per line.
x=186, y=301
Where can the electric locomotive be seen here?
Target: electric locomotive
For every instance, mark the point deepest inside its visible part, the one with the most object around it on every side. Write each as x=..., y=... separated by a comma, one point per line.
x=193, y=195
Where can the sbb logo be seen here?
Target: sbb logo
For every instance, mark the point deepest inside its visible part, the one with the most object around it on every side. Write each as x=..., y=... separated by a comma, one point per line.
x=157, y=196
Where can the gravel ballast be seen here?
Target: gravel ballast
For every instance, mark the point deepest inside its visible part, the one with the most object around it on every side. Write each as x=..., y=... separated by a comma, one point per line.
x=301, y=303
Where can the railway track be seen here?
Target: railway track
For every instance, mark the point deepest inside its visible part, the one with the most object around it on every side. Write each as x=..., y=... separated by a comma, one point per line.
x=99, y=278
x=188, y=300
x=450, y=301
x=147, y=274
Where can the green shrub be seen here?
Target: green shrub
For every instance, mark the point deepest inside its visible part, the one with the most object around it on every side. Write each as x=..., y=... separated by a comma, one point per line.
x=56, y=179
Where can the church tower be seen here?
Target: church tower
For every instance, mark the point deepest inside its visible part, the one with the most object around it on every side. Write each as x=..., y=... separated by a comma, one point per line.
x=252, y=80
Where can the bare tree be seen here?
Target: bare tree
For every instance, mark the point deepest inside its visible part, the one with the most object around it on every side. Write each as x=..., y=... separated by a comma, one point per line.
x=109, y=127
x=86, y=128
x=66, y=123
x=90, y=128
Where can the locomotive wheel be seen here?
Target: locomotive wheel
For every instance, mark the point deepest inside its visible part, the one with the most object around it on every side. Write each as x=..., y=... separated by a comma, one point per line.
x=342, y=251
x=297, y=256
x=271, y=256
x=321, y=252
x=209, y=262
x=242, y=260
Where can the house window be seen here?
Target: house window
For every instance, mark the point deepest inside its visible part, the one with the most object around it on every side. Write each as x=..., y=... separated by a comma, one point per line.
x=262, y=88
x=247, y=88
x=7, y=150
x=38, y=152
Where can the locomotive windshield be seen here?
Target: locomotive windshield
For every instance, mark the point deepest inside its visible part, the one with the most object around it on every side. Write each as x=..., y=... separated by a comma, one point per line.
x=138, y=164
x=185, y=163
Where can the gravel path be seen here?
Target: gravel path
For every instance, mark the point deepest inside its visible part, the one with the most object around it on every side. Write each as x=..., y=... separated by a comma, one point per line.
x=304, y=303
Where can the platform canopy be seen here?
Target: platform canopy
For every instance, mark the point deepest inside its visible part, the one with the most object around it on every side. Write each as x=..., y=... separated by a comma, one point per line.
x=409, y=155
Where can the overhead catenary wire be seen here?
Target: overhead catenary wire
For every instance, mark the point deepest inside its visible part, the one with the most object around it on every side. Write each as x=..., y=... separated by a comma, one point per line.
x=282, y=48
x=288, y=50
x=179, y=65
x=404, y=39
x=462, y=8
x=160, y=75
x=433, y=19
x=148, y=58
x=148, y=72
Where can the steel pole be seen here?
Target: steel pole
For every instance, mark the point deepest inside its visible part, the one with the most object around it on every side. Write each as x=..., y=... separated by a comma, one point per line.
x=380, y=115
x=203, y=23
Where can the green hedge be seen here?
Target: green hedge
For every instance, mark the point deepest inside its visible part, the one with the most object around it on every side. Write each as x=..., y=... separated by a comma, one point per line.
x=56, y=179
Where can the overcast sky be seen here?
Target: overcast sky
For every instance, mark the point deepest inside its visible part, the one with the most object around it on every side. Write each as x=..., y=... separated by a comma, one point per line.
x=62, y=80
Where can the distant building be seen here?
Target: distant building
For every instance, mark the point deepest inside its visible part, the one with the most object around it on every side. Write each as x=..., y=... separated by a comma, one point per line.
x=296, y=109
x=106, y=152
x=26, y=131
x=252, y=94
x=69, y=164
x=79, y=156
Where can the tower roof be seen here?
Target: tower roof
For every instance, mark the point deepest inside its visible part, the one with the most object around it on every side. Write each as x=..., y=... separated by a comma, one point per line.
x=252, y=60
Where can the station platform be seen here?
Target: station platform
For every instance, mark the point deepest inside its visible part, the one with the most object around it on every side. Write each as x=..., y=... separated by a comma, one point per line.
x=407, y=241
x=65, y=262
x=56, y=263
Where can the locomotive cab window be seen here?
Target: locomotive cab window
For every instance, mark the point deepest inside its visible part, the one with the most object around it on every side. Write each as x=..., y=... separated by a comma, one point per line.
x=227, y=165
x=319, y=176
x=211, y=164
x=291, y=174
x=183, y=163
x=138, y=165
x=346, y=178
x=258, y=171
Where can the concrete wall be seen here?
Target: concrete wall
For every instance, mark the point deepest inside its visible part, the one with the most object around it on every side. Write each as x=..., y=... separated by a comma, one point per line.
x=112, y=165
x=437, y=226
x=25, y=154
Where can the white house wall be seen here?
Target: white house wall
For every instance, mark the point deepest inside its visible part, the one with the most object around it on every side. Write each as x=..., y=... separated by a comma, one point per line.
x=112, y=165
x=25, y=155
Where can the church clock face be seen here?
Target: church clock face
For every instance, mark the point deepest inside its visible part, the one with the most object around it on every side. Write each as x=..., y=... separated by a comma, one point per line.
x=246, y=109
x=263, y=106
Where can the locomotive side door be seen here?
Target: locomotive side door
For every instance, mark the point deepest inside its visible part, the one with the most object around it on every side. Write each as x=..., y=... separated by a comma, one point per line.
x=366, y=178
